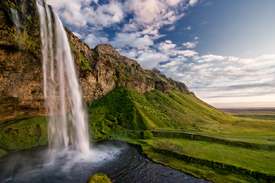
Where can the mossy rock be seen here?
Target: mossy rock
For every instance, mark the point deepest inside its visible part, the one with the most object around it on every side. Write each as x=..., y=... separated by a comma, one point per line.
x=24, y=134
x=99, y=178
x=3, y=152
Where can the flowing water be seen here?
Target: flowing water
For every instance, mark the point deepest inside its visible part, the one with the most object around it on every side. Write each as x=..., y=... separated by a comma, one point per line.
x=67, y=127
x=120, y=161
x=15, y=18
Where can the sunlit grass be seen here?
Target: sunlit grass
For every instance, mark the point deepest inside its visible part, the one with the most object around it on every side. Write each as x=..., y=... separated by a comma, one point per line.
x=256, y=160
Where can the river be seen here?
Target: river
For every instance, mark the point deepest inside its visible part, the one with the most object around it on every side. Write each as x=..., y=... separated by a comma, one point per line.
x=122, y=162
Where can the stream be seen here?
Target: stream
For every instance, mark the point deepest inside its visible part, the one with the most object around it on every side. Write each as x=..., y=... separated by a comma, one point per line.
x=122, y=162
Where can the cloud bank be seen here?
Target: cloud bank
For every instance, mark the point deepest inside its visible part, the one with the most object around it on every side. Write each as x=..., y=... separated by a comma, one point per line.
x=134, y=27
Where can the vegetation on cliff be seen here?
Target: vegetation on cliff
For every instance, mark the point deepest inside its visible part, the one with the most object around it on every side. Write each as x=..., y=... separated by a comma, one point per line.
x=2, y=152
x=20, y=59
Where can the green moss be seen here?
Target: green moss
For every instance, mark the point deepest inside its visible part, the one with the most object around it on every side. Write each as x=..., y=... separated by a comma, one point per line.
x=11, y=5
x=84, y=63
x=27, y=38
x=95, y=56
x=99, y=178
x=24, y=134
x=3, y=152
x=147, y=134
x=74, y=50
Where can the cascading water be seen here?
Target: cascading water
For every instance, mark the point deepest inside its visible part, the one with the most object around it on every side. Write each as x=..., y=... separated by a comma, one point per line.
x=15, y=18
x=63, y=98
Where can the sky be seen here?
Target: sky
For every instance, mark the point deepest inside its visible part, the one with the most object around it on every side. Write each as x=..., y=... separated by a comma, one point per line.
x=223, y=50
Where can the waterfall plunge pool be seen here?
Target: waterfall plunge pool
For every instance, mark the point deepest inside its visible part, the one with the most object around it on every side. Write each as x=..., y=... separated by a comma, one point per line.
x=122, y=162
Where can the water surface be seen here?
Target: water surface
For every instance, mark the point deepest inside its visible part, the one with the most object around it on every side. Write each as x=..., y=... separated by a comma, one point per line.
x=120, y=161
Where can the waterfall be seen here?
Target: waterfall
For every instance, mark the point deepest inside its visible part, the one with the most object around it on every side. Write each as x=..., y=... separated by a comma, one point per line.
x=67, y=125
x=15, y=18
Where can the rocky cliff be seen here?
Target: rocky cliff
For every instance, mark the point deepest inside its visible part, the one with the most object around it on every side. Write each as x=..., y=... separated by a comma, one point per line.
x=20, y=60
x=100, y=69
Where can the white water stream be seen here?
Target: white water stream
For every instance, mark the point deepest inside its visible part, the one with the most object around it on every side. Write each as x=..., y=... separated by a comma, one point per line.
x=67, y=127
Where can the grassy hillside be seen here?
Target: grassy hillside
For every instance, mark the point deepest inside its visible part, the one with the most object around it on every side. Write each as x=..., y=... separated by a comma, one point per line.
x=154, y=110
x=180, y=111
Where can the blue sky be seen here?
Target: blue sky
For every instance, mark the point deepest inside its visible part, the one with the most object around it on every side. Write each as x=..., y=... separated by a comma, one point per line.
x=223, y=50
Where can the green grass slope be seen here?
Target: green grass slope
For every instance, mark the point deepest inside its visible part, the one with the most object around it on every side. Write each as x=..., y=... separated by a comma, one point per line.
x=154, y=110
x=24, y=134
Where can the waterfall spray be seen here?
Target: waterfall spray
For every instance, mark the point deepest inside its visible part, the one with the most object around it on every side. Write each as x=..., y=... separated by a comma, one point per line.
x=63, y=98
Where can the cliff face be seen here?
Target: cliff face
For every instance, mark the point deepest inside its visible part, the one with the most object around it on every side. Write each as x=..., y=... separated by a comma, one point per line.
x=20, y=60
x=100, y=69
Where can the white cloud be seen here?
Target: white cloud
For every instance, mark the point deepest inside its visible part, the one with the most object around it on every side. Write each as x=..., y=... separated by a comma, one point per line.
x=188, y=28
x=105, y=15
x=152, y=31
x=130, y=27
x=211, y=57
x=173, y=63
x=222, y=76
x=190, y=44
x=172, y=2
x=79, y=13
x=187, y=53
x=193, y=2
x=171, y=28
x=153, y=11
x=78, y=35
x=232, y=59
x=165, y=46
x=262, y=57
x=132, y=54
x=92, y=40
x=151, y=58
x=134, y=40
x=196, y=38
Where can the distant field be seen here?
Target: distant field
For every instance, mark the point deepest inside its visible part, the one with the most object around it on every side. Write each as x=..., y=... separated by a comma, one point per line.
x=261, y=113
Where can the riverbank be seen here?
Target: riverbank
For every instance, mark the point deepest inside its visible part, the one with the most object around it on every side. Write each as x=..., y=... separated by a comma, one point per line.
x=210, y=160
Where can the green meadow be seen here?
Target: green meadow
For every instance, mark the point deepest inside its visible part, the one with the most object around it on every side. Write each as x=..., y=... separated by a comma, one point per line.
x=176, y=129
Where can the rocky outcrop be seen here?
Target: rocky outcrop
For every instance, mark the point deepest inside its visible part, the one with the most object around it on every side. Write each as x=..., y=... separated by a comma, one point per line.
x=100, y=69
x=20, y=60
x=106, y=69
